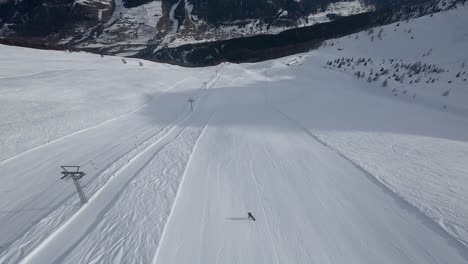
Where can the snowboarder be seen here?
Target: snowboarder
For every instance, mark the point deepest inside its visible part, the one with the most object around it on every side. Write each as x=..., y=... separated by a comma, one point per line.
x=251, y=216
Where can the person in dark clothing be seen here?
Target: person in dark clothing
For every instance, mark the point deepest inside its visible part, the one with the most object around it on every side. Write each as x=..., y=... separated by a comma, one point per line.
x=251, y=216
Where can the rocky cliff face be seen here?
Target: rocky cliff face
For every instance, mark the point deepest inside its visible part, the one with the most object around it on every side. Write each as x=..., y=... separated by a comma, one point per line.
x=149, y=27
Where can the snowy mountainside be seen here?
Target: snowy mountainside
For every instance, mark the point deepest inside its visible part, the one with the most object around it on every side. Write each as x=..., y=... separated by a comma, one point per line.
x=421, y=61
x=130, y=28
x=415, y=60
x=67, y=107
x=127, y=31
x=52, y=98
x=125, y=27
x=292, y=41
x=189, y=32
x=334, y=168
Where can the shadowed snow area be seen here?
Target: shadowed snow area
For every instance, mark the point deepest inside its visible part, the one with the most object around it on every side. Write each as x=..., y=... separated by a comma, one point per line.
x=334, y=168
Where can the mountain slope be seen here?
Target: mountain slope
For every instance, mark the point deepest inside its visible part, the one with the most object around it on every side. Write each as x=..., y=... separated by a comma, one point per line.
x=335, y=169
x=128, y=28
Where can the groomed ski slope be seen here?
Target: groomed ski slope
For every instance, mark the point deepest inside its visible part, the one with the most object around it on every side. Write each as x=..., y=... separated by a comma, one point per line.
x=335, y=169
x=111, y=115
x=311, y=204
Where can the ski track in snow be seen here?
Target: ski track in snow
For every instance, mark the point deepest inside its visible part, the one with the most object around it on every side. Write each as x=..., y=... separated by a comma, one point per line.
x=103, y=173
x=93, y=127
x=257, y=185
x=41, y=72
x=105, y=198
x=121, y=175
x=371, y=176
x=162, y=234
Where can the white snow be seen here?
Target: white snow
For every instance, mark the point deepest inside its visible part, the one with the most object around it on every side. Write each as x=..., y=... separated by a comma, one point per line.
x=72, y=97
x=344, y=8
x=334, y=168
x=91, y=2
x=129, y=26
x=422, y=157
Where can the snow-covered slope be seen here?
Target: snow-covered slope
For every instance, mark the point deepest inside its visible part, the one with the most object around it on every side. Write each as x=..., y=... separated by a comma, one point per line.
x=420, y=159
x=55, y=103
x=334, y=168
x=422, y=60
x=48, y=95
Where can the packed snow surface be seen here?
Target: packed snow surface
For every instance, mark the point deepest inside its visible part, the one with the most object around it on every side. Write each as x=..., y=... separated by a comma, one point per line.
x=335, y=168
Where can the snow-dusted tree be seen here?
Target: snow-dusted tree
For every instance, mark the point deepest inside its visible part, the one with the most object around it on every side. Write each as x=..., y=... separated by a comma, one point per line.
x=402, y=78
x=379, y=35
x=385, y=83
